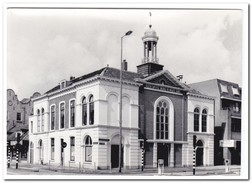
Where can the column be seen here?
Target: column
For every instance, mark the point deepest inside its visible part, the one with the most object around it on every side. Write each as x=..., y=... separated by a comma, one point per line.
x=144, y=52
x=156, y=51
x=147, y=50
x=152, y=51
x=171, y=156
x=155, y=154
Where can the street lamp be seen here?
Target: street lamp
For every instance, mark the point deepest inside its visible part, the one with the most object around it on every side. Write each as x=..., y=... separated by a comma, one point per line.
x=120, y=110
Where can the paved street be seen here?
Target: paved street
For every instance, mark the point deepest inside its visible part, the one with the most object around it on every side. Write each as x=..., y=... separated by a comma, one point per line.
x=27, y=169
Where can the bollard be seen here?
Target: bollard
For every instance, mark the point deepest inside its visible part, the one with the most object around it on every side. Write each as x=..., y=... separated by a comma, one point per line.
x=17, y=159
x=160, y=167
x=8, y=155
x=194, y=161
x=227, y=168
x=142, y=159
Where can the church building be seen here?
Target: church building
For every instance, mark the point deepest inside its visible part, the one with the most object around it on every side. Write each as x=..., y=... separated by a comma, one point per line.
x=77, y=122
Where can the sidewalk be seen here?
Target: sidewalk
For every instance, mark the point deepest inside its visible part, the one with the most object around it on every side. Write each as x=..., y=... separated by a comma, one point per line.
x=207, y=170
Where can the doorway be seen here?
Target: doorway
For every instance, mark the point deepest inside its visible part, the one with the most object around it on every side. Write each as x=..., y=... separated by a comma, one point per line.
x=200, y=153
x=115, y=156
x=41, y=152
x=163, y=152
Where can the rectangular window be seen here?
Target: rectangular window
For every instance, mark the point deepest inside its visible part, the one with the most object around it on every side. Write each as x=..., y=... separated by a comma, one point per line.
x=235, y=91
x=62, y=115
x=236, y=125
x=88, y=153
x=223, y=88
x=72, y=148
x=52, y=117
x=72, y=113
x=196, y=122
x=31, y=126
x=18, y=116
x=52, y=149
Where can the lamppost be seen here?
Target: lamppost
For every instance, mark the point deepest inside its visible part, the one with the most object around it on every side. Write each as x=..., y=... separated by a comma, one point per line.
x=120, y=110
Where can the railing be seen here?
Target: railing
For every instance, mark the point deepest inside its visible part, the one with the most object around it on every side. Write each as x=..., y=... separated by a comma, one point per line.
x=146, y=60
x=234, y=111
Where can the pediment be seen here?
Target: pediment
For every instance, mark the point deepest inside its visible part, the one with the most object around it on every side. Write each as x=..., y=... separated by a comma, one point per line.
x=165, y=78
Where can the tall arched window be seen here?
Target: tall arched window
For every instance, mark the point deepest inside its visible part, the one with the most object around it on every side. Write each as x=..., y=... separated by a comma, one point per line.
x=42, y=119
x=204, y=120
x=162, y=122
x=88, y=149
x=84, y=111
x=52, y=117
x=38, y=120
x=91, y=110
x=62, y=115
x=196, y=119
x=72, y=113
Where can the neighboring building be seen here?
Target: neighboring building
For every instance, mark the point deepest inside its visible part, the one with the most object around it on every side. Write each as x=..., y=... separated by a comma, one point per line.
x=18, y=113
x=227, y=118
x=84, y=113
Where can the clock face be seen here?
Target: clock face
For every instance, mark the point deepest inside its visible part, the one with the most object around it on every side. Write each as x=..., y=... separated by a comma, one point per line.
x=10, y=103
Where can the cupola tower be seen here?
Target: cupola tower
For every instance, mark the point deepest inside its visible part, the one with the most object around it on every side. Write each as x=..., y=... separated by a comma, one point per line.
x=150, y=63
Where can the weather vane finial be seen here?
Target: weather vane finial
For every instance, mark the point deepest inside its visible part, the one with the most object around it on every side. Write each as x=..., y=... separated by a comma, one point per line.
x=150, y=20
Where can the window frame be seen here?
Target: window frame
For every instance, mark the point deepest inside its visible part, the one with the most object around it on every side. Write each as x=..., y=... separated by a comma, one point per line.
x=54, y=125
x=72, y=148
x=204, y=120
x=53, y=149
x=91, y=105
x=196, y=114
x=87, y=147
x=84, y=123
x=70, y=113
x=64, y=104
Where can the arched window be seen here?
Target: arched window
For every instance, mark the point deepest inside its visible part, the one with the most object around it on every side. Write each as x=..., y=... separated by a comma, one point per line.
x=204, y=120
x=113, y=110
x=52, y=117
x=72, y=113
x=42, y=119
x=62, y=115
x=38, y=120
x=88, y=149
x=84, y=111
x=162, y=82
x=162, y=122
x=196, y=119
x=91, y=110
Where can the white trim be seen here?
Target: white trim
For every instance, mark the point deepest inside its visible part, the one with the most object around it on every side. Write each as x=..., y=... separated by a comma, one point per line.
x=62, y=102
x=238, y=100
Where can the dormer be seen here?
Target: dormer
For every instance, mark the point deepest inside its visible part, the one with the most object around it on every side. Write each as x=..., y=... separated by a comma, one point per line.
x=63, y=84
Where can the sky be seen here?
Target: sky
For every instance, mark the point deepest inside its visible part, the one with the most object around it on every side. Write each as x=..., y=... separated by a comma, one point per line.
x=45, y=46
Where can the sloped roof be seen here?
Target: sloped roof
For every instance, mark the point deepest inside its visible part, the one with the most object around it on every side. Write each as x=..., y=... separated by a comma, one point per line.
x=18, y=127
x=12, y=137
x=107, y=72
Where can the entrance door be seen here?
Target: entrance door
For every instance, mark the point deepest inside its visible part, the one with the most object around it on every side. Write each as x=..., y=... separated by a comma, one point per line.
x=163, y=152
x=199, y=153
x=115, y=156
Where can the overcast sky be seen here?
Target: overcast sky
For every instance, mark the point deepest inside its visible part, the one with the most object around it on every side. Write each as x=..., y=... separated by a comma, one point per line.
x=47, y=45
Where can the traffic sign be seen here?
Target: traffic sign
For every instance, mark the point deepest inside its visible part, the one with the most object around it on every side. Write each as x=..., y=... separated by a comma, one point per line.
x=64, y=144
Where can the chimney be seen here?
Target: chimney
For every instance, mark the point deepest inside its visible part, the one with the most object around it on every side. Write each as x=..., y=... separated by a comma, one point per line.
x=180, y=77
x=124, y=65
x=72, y=78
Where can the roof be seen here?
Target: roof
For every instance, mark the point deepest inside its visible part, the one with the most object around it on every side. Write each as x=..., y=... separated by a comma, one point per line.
x=25, y=100
x=18, y=127
x=12, y=137
x=107, y=72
